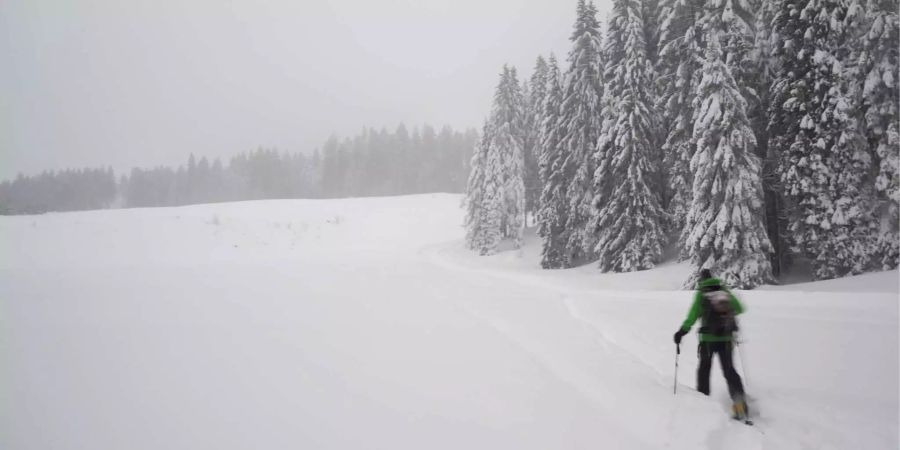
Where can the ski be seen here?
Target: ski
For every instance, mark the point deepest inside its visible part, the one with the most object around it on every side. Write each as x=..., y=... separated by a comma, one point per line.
x=758, y=428
x=743, y=420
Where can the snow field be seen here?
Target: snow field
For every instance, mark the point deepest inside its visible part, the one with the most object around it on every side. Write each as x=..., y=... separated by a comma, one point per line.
x=362, y=323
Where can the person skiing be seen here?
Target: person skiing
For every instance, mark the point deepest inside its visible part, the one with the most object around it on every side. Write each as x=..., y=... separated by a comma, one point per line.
x=716, y=307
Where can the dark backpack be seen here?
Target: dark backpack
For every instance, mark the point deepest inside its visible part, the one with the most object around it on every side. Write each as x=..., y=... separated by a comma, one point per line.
x=718, y=313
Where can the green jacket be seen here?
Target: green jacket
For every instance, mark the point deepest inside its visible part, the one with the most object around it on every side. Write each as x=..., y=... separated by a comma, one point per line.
x=696, y=311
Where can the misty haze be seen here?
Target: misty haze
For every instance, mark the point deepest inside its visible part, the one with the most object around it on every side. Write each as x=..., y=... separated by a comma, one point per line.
x=624, y=224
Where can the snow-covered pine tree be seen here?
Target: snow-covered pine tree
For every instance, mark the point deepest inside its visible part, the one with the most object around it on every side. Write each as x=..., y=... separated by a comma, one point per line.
x=725, y=229
x=527, y=144
x=734, y=21
x=496, y=194
x=628, y=215
x=509, y=139
x=877, y=67
x=761, y=78
x=651, y=11
x=824, y=164
x=492, y=202
x=533, y=118
x=745, y=51
x=680, y=58
x=475, y=191
x=580, y=122
x=552, y=214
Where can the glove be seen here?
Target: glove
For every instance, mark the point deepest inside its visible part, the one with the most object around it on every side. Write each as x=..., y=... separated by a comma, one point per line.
x=680, y=334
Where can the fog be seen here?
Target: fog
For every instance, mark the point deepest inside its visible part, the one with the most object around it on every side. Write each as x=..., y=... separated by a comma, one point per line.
x=389, y=224
x=140, y=83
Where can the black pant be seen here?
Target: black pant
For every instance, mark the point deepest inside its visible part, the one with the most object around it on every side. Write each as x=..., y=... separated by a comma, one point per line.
x=706, y=350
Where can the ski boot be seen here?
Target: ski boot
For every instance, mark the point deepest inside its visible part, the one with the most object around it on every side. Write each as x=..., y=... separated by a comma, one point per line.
x=739, y=410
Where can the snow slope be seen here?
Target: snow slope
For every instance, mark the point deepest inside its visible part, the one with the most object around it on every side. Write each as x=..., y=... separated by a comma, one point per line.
x=362, y=323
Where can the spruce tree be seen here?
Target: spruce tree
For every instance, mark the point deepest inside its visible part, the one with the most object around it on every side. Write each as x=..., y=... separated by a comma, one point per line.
x=877, y=71
x=725, y=231
x=824, y=166
x=475, y=191
x=507, y=141
x=496, y=193
x=682, y=43
x=552, y=214
x=651, y=11
x=733, y=23
x=761, y=78
x=628, y=215
x=680, y=59
x=492, y=203
x=537, y=93
x=580, y=123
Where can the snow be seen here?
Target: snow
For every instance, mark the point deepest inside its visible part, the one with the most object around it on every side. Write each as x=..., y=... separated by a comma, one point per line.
x=364, y=323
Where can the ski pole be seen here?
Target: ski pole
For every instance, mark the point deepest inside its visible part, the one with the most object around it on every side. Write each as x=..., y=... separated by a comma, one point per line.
x=677, y=352
x=737, y=346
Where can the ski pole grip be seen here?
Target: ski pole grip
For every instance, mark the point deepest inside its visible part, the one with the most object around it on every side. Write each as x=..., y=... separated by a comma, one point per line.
x=677, y=349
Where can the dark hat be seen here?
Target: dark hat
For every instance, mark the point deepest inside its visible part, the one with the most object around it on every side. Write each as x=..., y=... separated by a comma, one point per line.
x=705, y=274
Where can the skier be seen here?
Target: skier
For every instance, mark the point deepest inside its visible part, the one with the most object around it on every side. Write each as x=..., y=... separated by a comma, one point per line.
x=716, y=307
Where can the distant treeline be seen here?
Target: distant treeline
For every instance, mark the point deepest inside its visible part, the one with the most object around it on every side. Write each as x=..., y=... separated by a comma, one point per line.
x=373, y=163
x=67, y=190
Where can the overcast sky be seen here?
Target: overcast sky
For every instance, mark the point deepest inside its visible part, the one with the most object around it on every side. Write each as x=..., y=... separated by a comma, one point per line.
x=145, y=82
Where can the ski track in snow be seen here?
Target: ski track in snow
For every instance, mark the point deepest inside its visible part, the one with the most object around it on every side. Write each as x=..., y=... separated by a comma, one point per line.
x=600, y=387
x=362, y=323
x=794, y=429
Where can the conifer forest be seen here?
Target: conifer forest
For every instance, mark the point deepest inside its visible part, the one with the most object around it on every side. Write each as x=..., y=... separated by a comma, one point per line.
x=748, y=137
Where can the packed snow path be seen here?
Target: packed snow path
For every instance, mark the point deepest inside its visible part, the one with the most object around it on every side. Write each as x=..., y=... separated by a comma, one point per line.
x=361, y=323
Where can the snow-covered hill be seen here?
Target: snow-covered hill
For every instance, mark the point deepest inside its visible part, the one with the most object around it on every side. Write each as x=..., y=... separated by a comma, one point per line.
x=362, y=323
